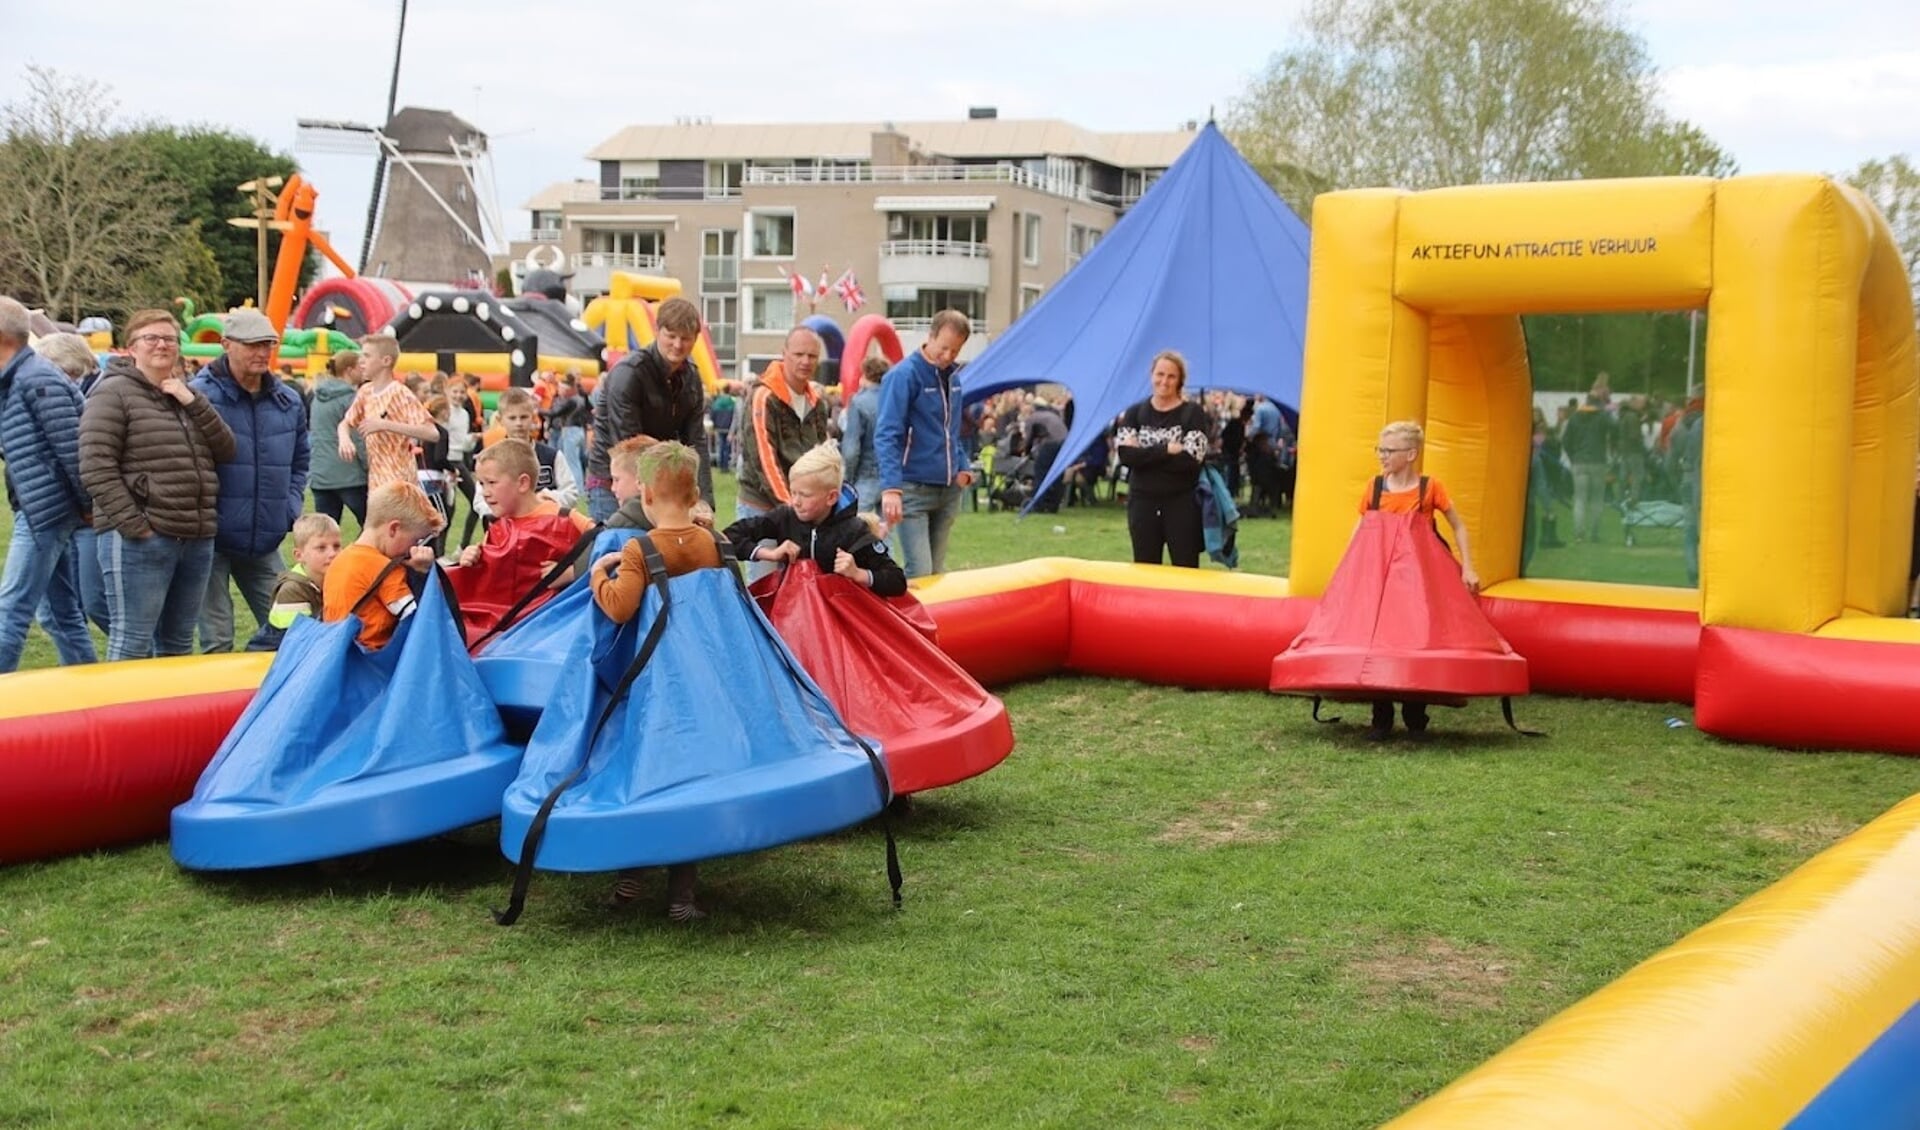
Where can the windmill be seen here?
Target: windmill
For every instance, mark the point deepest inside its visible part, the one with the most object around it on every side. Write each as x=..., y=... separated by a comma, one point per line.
x=434, y=220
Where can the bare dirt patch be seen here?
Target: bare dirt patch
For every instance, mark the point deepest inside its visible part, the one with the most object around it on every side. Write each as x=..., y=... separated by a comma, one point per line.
x=1455, y=977
x=1809, y=836
x=1226, y=819
x=1199, y=1045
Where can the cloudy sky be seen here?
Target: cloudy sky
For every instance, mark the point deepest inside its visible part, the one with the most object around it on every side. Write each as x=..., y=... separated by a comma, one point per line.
x=1783, y=84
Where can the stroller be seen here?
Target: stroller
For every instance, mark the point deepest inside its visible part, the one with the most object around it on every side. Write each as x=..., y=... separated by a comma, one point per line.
x=1650, y=515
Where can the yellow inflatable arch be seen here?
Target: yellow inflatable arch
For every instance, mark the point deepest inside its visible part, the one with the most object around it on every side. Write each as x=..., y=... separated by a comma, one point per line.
x=1801, y=1007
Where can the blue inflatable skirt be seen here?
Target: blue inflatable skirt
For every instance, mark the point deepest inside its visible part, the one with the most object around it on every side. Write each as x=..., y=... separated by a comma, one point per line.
x=522, y=666
x=722, y=744
x=345, y=750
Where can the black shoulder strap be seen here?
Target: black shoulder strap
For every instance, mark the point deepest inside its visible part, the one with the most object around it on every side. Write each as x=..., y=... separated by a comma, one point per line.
x=379, y=579
x=519, y=606
x=536, y=831
x=1420, y=503
x=1379, y=487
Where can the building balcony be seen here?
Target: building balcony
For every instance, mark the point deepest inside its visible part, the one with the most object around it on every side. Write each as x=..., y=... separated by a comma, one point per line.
x=759, y=175
x=537, y=235
x=913, y=334
x=939, y=264
x=593, y=270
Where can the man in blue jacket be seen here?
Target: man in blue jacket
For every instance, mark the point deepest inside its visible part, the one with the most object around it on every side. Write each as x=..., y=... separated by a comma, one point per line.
x=264, y=487
x=923, y=466
x=40, y=439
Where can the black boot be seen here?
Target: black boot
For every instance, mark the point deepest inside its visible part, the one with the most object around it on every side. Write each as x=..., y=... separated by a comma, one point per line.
x=1382, y=727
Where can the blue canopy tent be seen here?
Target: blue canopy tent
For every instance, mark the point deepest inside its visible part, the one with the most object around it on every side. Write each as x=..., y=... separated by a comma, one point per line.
x=1209, y=262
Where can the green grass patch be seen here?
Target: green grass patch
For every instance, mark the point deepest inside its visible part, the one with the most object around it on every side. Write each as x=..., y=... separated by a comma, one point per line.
x=1166, y=908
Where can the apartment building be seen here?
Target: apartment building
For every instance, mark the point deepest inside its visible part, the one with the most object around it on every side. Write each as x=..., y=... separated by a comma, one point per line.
x=982, y=215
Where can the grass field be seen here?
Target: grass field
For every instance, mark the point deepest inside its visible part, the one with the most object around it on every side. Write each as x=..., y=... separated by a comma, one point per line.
x=1167, y=908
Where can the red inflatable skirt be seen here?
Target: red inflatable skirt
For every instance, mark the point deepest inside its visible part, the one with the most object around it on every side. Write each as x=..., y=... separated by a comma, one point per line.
x=1396, y=623
x=878, y=664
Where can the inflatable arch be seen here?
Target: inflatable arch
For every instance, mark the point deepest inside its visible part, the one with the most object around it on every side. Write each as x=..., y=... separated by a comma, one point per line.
x=869, y=332
x=1811, y=428
x=624, y=316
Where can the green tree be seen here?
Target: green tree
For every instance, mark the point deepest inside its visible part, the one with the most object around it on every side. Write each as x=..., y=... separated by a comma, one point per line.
x=1893, y=184
x=1427, y=93
x=81, y=215
x=209, y=164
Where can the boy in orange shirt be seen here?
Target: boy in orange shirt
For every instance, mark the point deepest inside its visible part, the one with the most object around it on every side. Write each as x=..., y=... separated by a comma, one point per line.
x=527, y=537
x=1401, y=489
x=360, y=583
x=669, y=491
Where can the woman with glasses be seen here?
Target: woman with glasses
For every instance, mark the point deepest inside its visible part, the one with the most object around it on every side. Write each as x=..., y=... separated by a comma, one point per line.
x=1163, y=442
x=148, y=445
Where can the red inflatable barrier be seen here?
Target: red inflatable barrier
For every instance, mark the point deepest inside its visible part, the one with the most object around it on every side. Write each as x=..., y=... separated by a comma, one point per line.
x=1808, y=692
x=119, y=745
x=1601, y=651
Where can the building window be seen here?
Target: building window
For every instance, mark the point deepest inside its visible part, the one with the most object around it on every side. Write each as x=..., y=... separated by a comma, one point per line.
x=926, y=303
x=1030, y=239
x=769, y=308
x=930, y=227
x=722, y=313
x=1080, y=240
x=639, y=180
x=1028, y=296
x=546, y=221
x=719, y=259
x=724, y=178
x=772, y=235
x=631, y=245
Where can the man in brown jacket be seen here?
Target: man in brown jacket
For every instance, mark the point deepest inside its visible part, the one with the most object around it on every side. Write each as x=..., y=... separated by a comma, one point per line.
x=148, y=445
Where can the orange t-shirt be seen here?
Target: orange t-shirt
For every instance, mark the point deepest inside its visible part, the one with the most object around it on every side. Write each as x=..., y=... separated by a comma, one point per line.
x=1404, y=501
x=389, y=454
x=349, y=578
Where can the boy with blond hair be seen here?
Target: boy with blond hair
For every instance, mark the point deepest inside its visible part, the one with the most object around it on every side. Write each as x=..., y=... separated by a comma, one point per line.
x=816, y=523
x=624, y=462
x=361, y=580
x=300, y=590
x=515, y=418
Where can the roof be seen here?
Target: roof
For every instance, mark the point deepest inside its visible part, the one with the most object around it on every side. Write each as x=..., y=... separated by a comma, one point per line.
x=853, y=141
x=550, y=198
x=417, y=130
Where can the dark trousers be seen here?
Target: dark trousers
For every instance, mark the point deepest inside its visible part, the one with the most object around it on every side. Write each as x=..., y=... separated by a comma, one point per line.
x=1172, y=521
x=1416, y=714
x=332, y=500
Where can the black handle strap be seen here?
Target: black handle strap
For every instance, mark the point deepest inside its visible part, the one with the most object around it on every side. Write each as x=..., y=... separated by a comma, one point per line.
x=536, y=831
x=1506, y=711
x=1316, y=713
x=580, y=546
x=894, y=877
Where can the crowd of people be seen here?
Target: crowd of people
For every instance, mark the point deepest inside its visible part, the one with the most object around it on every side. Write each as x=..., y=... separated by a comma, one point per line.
x=1639, y=455
x=148, y=491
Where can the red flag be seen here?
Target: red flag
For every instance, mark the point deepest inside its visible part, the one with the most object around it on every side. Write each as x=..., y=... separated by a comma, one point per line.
x=798, y=283
x=820, y=291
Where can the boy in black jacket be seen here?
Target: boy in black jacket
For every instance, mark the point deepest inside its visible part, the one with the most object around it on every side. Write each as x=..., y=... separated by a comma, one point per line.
x=818, y=524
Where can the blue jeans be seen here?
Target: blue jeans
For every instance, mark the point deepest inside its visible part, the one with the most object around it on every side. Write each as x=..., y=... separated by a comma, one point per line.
x=255, y=576
x=41, y=571
x=156, y=586
x=927, y=514
x=755, y=569
x=573, y=445
x=601, y=504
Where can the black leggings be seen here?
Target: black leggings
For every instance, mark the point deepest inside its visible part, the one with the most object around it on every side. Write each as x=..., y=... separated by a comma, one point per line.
x=465, y=483
x=1171, y=520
